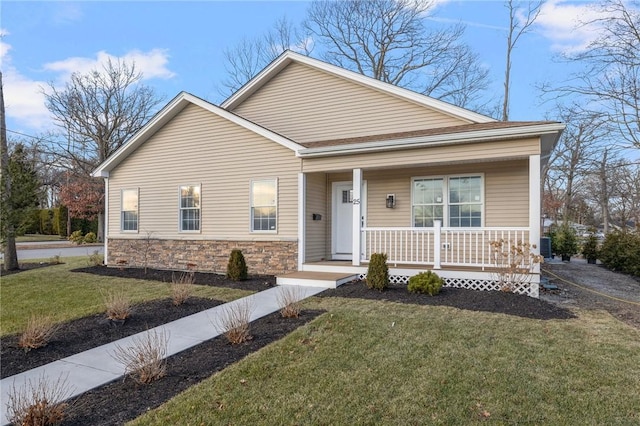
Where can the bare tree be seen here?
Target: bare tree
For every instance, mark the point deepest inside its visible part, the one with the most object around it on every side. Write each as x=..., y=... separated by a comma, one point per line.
x=389, y=41
x=519, y=24
x=247, y=58
x=610, y=76
x=98, y=112
x=8, y=229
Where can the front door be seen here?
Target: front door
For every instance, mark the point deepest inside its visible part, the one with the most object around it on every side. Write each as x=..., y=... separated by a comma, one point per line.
x=342, y=222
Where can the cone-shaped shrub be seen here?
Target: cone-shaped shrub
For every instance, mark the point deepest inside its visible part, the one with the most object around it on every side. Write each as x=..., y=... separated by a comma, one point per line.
x=378, y=272
x=237, y=267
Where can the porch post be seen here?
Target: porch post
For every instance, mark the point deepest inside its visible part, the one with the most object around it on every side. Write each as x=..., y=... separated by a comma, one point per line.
x=357, y=216
x=106, y=220
x=302, y=217
x=534, y=213
x=437, y=246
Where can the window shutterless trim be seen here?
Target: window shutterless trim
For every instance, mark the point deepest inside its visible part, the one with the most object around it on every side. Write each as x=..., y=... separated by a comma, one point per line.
x=181, y=209
x=252, y=207
x=122, y=211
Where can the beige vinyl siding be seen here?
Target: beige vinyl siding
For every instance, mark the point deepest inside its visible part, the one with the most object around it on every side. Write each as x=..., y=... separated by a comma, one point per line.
x=316, y=230
x=486, y=151
x=200, y=148
x=308, y=105
x=506, y=192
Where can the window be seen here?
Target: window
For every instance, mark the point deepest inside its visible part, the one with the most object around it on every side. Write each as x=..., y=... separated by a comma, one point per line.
x=190, y=208
x=457, y=201
x=264, y=205
x=129, y=206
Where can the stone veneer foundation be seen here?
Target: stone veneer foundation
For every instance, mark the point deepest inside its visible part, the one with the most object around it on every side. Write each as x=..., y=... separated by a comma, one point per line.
x=262, y=257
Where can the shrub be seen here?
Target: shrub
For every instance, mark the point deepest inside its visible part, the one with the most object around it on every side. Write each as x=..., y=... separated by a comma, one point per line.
x=590, y=248
x=289, y=301
x=237, y=267
x=37, y=333
x=378, y=272
x=566, y=241
x=426, y=283
x=181, y=287
x=233, y=321
x=46, y=222
x=118, y=305
x=145, y=360
x=55, y=260
x=38, y=404
x=620, y=251
x=95, y=258
x=76, y=237
x=60, y=218
x=513, y=263
x=90, y=238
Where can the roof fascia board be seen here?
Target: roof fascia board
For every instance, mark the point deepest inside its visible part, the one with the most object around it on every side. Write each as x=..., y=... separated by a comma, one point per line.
x=435, y=140
x=176, y=105
x=288, y=56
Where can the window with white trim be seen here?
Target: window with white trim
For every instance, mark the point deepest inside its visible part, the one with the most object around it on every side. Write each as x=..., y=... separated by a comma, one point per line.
x=457, y=201
x=190, y=208
x=264, y=205
x=129, y=210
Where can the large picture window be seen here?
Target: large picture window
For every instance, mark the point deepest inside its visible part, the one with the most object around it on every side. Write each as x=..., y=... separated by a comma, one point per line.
x=190, y=208
x=264, y=206
x=457, y=201
x=129, y=213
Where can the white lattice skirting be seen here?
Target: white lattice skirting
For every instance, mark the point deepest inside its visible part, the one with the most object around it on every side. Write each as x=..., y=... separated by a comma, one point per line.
x=468, y=283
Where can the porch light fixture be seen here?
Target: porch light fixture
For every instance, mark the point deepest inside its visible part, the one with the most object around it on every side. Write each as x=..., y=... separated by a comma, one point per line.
x=391, y=201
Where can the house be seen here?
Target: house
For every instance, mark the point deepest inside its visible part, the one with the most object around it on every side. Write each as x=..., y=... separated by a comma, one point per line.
x=312, y=168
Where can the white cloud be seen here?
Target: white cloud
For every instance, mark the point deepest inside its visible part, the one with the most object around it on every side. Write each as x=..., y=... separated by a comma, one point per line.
x=152, y=64
x=561, y=22
x=25, y=102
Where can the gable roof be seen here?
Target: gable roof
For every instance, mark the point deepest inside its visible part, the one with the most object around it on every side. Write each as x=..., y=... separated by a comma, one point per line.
x=173, y=108
x=287, y=57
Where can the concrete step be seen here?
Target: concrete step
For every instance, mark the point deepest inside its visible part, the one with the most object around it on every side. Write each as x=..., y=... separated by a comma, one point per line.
x=316, y=279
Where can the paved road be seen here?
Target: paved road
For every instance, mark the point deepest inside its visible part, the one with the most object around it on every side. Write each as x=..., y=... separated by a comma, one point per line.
x=28, y=251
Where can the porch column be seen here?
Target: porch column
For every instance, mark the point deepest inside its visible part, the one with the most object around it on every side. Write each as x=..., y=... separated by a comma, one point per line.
x=357, y=216
x=106, y=219
x=437, y=245
x=534, y=204
x=302, y=218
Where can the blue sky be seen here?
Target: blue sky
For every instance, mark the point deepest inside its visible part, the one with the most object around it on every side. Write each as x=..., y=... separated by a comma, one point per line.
x=178, y=45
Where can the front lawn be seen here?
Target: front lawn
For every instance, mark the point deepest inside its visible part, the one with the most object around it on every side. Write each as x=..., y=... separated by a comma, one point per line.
x=373, y=362
x=65, y=295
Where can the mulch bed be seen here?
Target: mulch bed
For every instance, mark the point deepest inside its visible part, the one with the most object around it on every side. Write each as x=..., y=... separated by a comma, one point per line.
x=92, y=331
x=26, y=266
x=124, y=400
x=486, y=301
x=254, y=283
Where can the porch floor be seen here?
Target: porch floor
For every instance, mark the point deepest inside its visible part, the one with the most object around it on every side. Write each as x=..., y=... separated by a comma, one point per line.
x=346, y=265
x=316, y=279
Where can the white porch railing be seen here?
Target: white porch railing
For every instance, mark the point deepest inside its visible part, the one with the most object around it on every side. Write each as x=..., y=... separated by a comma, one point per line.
x=438, y=246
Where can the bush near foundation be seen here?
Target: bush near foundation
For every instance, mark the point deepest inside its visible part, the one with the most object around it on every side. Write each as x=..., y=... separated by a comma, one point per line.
x=237, y=267
x=378, y=272
x=426, y=283
x=620, y=252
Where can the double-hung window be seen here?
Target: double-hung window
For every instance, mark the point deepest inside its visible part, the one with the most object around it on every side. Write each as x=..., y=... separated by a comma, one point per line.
x=190, y=208
x=129, y=210
x=457, y=201
x=264, y=205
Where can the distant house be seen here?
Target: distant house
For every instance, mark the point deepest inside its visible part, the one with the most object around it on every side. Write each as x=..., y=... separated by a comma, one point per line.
x=310, y=167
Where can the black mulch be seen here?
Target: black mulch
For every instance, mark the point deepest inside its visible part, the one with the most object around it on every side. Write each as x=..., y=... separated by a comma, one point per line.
x=124, y=400
x=254, y=283
x=486, y=301
x=26, y=266
x=92, y=331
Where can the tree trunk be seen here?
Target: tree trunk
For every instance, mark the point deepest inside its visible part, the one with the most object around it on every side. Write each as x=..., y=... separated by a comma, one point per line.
x=101, y=227
x=10, y=252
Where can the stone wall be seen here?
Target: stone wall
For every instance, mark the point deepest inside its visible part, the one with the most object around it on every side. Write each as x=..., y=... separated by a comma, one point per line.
x=262, y=257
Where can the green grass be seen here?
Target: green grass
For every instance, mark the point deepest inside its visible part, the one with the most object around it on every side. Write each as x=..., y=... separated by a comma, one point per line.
x=371, y=362
x=65, y=295
x=38, y=237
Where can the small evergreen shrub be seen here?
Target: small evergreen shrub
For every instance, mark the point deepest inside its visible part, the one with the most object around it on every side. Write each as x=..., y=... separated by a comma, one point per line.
x=90, y=238
x=620, y=251
x=378, y=272
x=590, y=248
x=567, y=241
x=426, y=283
x=76, y=237
x=237, y=267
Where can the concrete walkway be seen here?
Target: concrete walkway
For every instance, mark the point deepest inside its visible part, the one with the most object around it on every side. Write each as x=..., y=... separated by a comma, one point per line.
x=96, y=367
